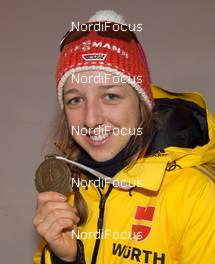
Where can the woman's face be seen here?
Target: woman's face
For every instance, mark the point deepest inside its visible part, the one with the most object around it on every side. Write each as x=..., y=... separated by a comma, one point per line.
x=101, y=115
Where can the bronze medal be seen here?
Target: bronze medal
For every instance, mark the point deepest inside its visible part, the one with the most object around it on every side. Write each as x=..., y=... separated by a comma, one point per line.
x=53, y=175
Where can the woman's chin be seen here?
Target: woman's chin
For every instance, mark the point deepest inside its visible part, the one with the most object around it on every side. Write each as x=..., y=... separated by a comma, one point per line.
x=101, y=158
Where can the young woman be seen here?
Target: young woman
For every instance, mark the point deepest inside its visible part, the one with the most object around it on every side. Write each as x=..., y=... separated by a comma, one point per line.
x=156, y=146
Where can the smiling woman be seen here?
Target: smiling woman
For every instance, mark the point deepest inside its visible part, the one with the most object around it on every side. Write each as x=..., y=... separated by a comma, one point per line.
x=119, y=125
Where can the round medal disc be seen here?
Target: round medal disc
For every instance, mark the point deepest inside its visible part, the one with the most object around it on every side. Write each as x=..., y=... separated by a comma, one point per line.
x=53, y=175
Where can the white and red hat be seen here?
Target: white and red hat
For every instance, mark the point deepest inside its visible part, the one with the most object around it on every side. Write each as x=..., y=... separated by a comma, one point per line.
x=105, y=44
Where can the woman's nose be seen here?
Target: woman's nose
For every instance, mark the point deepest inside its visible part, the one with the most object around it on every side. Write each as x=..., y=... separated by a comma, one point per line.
x=93, y=114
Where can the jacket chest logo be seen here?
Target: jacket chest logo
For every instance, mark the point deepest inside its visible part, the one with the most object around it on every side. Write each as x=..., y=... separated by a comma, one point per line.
x=141, y=231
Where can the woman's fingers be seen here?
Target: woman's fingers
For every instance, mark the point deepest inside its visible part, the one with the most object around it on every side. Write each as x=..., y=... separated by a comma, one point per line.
x=47, y=202
x=56, y=214
x=45, y=197
x=53, y=230
x=49, y=211
x=42, y=211
x=48, y=207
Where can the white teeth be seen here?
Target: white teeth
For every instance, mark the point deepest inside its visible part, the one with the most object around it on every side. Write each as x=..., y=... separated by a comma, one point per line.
x=99, y=137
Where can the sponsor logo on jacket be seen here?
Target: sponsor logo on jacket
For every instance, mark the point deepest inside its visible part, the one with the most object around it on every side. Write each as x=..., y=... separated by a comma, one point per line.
x=137, y=254
x=138, y=230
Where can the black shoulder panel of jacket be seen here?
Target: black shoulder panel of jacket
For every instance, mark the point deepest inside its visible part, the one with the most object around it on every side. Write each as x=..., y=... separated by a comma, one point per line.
x=182, y=124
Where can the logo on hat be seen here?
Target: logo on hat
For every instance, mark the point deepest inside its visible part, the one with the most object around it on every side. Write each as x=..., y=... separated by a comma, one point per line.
x=94, y=56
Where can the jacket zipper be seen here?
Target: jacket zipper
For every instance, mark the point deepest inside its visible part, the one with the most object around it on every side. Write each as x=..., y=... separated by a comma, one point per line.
x=100, y=222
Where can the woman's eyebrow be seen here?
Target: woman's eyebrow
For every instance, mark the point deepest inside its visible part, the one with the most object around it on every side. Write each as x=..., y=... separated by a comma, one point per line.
x=73, y=90
x=110, y=86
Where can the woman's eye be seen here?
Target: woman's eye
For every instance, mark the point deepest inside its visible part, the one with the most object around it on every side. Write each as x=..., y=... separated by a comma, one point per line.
x=74, y=101
x=111, y=97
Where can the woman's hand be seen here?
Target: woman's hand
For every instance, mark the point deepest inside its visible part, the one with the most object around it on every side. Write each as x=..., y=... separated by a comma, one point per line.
x=56, y=221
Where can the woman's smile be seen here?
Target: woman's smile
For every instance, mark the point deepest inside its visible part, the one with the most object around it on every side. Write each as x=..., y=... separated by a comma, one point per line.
x=98, y=140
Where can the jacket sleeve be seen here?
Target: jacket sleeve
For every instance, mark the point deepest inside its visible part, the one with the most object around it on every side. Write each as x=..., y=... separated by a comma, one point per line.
x=197, y=244
x=45, y=256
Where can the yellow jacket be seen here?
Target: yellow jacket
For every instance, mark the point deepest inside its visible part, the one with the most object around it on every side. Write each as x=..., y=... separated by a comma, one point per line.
x=170, y=217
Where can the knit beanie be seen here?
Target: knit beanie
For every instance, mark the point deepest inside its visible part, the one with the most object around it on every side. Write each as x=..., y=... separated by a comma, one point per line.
x=104, y=43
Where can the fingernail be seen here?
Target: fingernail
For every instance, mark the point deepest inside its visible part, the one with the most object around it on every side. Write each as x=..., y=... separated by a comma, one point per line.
x=62, y=197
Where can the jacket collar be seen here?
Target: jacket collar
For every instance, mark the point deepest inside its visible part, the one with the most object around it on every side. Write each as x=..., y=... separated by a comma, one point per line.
x=145, y=173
